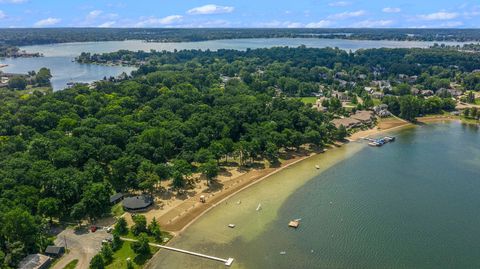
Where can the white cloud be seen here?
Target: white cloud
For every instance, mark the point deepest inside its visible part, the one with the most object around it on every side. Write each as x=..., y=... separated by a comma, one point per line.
x=346, y=15
x=451, y=24
x=319, y=24
x=47, y=22
x=13, y=1
x=210, y=9
x=373, y=24
x=153, y=21
x=438, y=16
x=2, y=15
x=94, y=14
x=280, y=24
x=392, y=10
x=107, y=24
x=339, y=4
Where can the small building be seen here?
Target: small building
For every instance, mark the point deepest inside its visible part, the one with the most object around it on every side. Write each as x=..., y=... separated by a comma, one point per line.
x=342, y=96
x=137, y=203
x=427, y=92
x=35, y=261
x=116, y=198
x=54, y=251
x=378, y=95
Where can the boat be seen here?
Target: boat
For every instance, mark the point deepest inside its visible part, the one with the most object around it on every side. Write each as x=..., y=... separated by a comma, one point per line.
x=231, y=225
x=317, y=166
x=294, y=223
x=389, y=138
x=374, y=144
x=283, y=252
x=259, y=207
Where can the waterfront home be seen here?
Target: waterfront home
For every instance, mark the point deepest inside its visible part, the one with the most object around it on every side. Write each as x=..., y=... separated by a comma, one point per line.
x=382, y=111
x=360, y=119
x=364, y=116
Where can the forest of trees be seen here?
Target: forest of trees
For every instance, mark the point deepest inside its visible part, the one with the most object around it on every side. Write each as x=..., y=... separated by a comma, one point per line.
x=35, y=36
x=63, y=154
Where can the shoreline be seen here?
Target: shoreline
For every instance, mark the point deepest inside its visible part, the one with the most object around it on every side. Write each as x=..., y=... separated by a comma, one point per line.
x=183, y=218
x=393, y=124
x=179, y=217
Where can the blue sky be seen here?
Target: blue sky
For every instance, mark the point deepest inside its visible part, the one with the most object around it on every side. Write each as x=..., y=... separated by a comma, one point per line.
x=240, y=13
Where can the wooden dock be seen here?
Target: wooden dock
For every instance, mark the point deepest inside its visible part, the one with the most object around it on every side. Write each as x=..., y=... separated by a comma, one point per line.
x=227, y=262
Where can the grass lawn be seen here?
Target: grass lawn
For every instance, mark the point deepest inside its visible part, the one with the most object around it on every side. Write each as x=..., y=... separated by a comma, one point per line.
x=376, y=102
x=308, y=100
x=71, y=265
x=120, y=257
x=117, y=210
x=151, y=239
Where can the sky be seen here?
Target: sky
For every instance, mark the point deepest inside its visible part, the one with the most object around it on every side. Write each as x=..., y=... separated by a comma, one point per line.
x=241, y=13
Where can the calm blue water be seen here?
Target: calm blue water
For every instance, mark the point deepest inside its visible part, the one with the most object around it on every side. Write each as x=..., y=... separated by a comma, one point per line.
x=59, y=57
x=413, y=203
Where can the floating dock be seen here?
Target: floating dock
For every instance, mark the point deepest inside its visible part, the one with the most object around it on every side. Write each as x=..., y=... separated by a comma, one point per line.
x=294, y=223
x=379, y=142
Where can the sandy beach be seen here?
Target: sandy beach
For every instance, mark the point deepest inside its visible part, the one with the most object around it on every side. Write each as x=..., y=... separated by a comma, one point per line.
x=176, y=213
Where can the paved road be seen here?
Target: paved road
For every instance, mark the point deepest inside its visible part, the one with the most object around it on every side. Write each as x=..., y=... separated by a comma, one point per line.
x=81, y=245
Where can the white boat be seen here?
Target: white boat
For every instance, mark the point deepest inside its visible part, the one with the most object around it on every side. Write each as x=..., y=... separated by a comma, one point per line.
x=231, y=225
x=317, y=166
x=283, y=252
x=259, y=207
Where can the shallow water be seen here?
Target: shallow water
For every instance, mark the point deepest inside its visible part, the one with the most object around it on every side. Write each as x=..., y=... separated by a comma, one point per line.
x=410, y=204
x=59, y=57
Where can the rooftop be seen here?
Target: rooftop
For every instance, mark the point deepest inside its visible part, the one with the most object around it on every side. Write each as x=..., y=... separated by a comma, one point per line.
x=34, y=261
x=137, y=202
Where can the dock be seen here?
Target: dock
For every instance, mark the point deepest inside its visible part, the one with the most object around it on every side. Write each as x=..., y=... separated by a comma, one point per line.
x=227, y=262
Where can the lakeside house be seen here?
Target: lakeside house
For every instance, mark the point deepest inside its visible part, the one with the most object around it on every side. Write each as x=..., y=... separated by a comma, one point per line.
x=382, y=111
x=360, y=119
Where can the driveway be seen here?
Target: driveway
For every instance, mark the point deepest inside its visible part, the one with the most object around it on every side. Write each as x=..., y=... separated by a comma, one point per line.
x=81, y=245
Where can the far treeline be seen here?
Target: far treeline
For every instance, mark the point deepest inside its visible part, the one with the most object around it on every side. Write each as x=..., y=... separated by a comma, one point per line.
x=63, y=154
x=35, y=36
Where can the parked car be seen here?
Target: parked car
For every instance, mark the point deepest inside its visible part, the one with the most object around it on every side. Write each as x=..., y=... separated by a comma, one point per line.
x=93, y=228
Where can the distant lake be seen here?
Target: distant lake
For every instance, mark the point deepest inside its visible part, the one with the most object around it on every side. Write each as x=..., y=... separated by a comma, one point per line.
x=413, y=203
x=59, y=57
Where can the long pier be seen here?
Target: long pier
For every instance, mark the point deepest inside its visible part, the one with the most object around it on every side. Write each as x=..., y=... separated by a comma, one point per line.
x=227, y=262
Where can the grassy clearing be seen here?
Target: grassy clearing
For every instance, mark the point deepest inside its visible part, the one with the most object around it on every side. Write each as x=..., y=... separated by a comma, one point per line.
x=151, y=239
x=120, y=257
x=376, y=102
x=308, y=100
x=71, y=265
x=117, y=210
